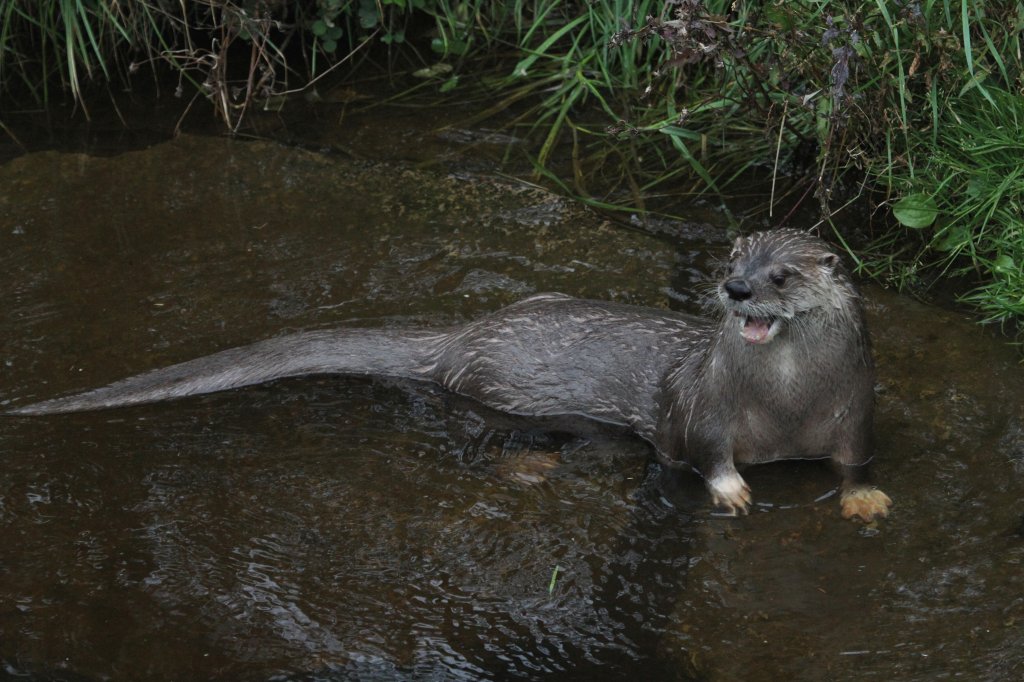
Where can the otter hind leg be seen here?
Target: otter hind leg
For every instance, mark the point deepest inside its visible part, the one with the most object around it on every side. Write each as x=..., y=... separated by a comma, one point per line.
x=865, y=503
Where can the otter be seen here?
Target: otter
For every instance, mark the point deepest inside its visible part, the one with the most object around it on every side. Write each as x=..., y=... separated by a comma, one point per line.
x=784, y=370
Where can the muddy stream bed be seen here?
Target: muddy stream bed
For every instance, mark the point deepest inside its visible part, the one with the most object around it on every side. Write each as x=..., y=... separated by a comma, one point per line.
x=337, y=529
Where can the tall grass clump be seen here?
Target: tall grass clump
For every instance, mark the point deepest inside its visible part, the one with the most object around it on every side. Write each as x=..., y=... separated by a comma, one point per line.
x=552, y=61
x=952, y=174
x=961, y=212
x=47, y=46
x=235, y=54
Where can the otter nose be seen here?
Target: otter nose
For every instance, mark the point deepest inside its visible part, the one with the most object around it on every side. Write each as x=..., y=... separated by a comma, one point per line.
x=738, y=290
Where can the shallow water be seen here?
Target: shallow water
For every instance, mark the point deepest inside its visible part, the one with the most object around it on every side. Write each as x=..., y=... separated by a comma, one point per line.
x=348, y=529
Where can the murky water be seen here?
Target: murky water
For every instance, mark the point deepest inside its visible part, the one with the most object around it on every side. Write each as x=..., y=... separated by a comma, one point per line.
x=352, y=529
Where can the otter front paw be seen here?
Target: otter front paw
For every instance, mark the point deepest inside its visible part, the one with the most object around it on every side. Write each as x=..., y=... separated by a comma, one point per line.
x=864, y=503
x=730, y=492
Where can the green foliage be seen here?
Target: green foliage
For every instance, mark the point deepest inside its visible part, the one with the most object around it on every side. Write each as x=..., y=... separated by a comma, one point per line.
x=972, y=174
x=915, y=211
x=953, y=171
x=67, y=42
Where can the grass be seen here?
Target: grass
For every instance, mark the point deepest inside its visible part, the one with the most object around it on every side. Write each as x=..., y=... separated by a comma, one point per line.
x=60, y=44
x=235, y=54
x=963, y=206
x=952, y=175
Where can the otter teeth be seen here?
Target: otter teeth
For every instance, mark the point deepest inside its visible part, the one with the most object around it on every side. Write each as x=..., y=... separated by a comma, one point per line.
x=759, y=329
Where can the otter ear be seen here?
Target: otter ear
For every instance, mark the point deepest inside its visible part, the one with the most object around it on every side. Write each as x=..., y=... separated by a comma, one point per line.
x=829, y=260
x=736, y=244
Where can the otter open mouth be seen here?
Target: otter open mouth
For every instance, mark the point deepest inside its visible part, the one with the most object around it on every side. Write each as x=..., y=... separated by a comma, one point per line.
x=759, y=329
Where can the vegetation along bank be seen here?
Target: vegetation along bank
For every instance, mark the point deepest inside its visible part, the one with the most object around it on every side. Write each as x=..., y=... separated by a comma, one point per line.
x=914, y=109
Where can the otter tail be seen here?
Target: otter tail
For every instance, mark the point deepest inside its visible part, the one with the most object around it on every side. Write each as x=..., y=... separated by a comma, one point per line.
x=345, y=351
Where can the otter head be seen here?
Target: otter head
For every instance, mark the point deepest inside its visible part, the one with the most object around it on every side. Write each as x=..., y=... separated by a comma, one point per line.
x=780, y=279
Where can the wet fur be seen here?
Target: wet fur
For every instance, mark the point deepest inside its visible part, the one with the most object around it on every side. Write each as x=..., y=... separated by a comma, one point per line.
x=693, y=387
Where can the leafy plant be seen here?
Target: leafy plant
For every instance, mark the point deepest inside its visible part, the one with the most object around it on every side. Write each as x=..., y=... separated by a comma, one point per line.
x=965, y=202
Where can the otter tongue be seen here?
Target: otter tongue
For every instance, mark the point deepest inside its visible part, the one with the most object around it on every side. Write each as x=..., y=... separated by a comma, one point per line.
x=755, y=329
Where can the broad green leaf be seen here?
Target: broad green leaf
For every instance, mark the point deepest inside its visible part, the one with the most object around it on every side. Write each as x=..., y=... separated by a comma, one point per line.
x=916, y=210
x=450, y=46
x=976, y=186
x=449, y=84
x=1004, y=265
x=368, y=16
x=955, y=238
